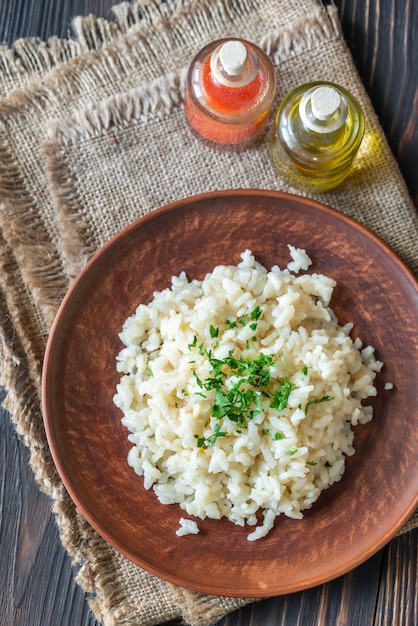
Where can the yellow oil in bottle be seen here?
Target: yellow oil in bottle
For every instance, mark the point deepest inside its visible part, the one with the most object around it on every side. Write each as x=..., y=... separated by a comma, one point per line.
x=317, y=132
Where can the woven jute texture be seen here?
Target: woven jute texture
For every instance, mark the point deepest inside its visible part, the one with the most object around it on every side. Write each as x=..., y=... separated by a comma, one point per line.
x=93, y=135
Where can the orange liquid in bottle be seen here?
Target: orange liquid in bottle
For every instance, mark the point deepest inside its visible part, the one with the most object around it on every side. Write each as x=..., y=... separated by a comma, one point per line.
x=226, y=99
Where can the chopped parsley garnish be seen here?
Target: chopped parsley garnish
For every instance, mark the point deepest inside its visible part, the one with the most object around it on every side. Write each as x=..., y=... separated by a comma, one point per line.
x=210, y=441
x=240, y=383
x=281, y=395
x=317, y=401
x=240, y=401
x=193, y=343
x=278, y=436
x=198, y=380
x=256, y=313
x=214, y=332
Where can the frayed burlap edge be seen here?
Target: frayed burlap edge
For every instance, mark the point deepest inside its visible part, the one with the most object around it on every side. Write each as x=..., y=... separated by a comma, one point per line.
x=200, y=609
x=77, y=240
x=130, y=13
x=24, y=243
x=93, y=33
x=30, y=59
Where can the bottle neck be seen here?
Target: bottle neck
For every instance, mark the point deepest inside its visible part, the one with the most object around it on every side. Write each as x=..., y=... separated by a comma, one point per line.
x=323, y=109
x=233, y=64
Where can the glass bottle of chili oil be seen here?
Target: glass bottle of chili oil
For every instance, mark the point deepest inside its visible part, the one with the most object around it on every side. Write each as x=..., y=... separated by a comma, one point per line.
x=230, y=89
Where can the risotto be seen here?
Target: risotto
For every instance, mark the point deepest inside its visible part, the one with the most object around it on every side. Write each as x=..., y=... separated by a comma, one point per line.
x=240, y=391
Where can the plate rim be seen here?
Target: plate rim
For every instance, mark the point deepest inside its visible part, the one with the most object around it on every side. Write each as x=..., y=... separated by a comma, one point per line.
x=358, y=227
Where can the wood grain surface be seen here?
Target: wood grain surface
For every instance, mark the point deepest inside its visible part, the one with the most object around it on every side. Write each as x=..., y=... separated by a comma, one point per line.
x=382, y=36
x=37, y=585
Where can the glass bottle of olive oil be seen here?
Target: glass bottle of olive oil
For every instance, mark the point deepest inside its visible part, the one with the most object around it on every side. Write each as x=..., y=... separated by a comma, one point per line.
x=318, y=130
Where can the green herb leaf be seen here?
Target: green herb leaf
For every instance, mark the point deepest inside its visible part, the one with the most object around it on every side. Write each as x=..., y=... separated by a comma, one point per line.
x=317, y=401
x=198, y=380
x=281, y=395
x=278, y=436
x=241, y=382
x=210, y=441
x=214, y=332
x=222, y=404
x=256, y=313
x=193, y=343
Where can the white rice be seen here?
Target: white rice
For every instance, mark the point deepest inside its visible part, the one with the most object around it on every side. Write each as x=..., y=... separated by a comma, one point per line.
x=280, y=458
x=187, y=527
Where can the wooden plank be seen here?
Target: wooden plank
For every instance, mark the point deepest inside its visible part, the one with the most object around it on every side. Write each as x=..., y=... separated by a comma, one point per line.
x=398, y=600
x=346, y=601
x=37, y=579
x=45, y=18
x=382, y=37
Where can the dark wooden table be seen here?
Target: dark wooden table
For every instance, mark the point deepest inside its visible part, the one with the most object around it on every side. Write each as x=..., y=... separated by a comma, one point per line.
x=37, y=585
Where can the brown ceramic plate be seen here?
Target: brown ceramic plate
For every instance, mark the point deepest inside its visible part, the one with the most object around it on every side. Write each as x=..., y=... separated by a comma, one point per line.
x=353, y=519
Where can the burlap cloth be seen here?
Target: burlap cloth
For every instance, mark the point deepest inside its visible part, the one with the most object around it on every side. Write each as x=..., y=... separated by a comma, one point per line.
x=92, y=135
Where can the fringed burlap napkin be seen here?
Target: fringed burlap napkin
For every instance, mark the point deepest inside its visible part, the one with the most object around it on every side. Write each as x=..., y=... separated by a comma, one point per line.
x=98, y=139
